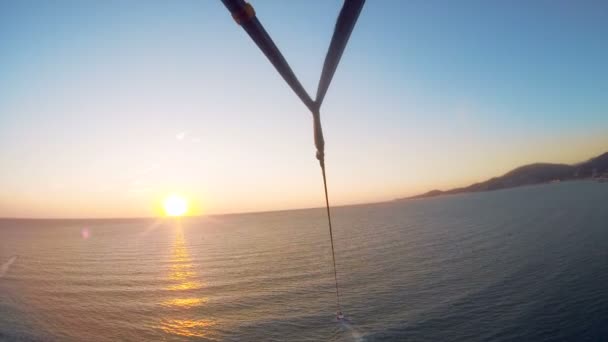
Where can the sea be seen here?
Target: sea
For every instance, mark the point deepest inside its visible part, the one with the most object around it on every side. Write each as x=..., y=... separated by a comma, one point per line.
x=522, y=264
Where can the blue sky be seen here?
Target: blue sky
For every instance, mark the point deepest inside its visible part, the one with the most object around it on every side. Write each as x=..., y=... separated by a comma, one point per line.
x=108, y=106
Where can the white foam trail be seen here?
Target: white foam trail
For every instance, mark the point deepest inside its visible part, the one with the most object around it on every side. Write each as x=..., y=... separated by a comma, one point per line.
x=354, y=333
x=4, y=268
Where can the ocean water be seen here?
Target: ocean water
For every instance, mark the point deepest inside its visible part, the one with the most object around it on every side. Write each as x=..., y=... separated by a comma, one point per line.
x=525, y=264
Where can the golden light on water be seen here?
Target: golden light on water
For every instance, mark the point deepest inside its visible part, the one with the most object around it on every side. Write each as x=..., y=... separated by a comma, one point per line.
x=187, y=285
x=182, y=268
x=183, y=275
x=184, y=279
x=187, y=327
x=184, y=302
x=175, y=205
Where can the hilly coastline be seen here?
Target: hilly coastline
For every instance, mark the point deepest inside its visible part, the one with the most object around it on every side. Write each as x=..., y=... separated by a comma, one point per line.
x=536, y=173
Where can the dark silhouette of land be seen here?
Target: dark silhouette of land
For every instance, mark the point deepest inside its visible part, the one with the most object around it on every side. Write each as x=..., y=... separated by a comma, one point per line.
x=536, y=173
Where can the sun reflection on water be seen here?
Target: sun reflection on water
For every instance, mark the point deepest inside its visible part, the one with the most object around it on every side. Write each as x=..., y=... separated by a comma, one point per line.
x=183, y=279
x=182, y=275
x=184, y=302
x=187, y=327
x=187, y=285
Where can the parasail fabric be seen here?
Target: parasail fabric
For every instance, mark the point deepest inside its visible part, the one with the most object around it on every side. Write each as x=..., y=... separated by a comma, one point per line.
x=256, y=31
x=344, y=27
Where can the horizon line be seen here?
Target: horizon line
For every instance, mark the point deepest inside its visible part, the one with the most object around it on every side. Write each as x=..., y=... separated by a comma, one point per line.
x=188, y=216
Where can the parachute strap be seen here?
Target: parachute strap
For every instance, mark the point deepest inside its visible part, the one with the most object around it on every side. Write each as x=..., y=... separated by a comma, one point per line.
x=244, y=14
x=319, y=141
x=331, y=237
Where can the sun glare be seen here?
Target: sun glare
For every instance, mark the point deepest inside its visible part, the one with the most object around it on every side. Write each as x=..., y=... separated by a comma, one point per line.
x=175, y=205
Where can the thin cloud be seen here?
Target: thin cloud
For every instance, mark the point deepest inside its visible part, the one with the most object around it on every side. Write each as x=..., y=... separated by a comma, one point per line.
x=186, y=136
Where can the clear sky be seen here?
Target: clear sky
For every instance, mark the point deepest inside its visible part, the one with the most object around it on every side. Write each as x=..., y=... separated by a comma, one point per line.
x=108, y=106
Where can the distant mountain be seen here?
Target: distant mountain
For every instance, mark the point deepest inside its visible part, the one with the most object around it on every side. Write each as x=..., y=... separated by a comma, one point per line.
x=534, y=174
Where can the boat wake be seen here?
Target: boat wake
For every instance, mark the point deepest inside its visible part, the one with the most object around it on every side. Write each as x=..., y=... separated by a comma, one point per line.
x=350, y=330
x=5, y=267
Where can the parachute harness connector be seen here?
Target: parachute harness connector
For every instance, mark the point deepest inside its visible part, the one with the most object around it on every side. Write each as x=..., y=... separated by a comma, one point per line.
x=244, y=14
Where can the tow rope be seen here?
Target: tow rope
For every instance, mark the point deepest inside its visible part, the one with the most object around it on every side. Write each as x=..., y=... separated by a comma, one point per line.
x=244, y=14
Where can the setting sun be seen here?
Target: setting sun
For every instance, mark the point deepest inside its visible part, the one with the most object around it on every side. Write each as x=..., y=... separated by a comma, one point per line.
x=175, y=205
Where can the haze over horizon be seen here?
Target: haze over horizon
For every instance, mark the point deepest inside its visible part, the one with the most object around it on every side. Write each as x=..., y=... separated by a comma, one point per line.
x=108, y=107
